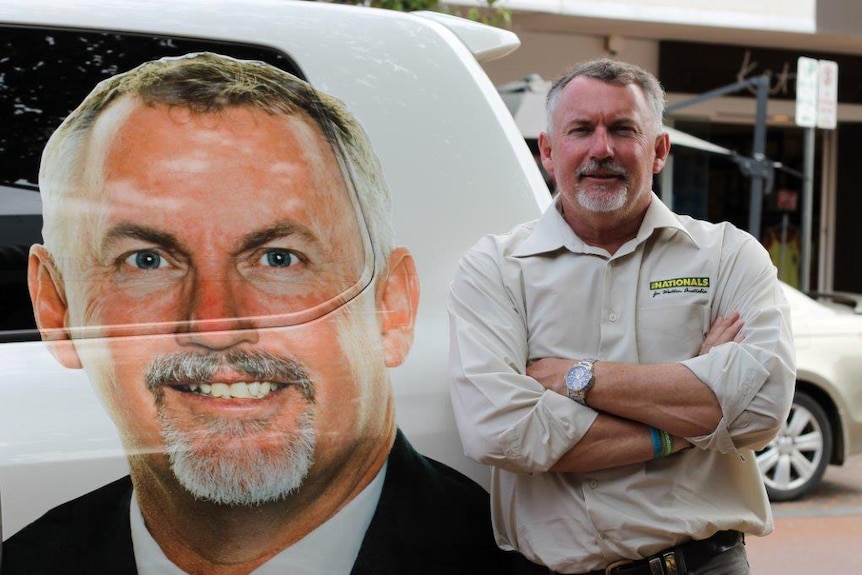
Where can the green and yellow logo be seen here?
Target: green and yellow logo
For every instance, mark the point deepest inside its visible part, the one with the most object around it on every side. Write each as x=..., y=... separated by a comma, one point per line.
x=679, y=282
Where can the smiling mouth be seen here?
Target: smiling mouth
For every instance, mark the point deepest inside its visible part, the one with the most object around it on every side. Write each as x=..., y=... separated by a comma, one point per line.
x=599, y=176
x=239, y=390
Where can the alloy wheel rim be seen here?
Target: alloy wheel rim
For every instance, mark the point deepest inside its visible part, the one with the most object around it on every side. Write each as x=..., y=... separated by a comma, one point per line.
x=792, y=458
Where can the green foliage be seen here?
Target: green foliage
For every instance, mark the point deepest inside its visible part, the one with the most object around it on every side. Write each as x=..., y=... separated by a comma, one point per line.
x=401, y=5
x=491, y=13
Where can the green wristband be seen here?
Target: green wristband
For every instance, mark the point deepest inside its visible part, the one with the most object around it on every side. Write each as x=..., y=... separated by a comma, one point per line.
x=666, y=443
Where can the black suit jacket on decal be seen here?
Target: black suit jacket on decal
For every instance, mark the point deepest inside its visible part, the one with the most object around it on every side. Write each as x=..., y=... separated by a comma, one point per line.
x=430, y=519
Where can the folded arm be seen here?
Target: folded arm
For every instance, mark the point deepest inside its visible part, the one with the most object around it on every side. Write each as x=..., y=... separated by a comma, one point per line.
x=666, y=396
x=734, y=395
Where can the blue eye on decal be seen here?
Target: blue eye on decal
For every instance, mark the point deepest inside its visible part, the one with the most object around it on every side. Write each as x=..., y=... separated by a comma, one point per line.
x=146, y=260
x=279, y=258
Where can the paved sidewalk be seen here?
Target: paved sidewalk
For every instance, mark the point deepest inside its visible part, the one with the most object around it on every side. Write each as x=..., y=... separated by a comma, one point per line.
x=809, y=546
x=818, y=535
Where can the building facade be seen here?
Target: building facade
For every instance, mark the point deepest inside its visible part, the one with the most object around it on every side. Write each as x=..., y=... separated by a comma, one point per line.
x=698, y=46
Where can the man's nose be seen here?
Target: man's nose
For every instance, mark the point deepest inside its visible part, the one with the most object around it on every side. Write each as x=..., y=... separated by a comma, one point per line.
x=214, y=317
x=601, y=146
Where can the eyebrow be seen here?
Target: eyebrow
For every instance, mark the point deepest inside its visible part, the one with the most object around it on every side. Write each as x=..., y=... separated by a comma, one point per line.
x=622, y=119
x=168, y=241
x=143, y=233
x=280, y=230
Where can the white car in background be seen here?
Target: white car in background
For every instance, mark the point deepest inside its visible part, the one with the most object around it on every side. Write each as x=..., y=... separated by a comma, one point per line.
x=825, y=423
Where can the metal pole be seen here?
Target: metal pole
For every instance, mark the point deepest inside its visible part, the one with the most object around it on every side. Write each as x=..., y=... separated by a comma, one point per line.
x=807, y=203
x=782, y=247
x=729, y=89
x=759, y=153
x=761, y=83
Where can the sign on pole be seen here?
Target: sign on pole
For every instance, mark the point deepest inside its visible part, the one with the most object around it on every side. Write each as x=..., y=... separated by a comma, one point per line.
x=816, y=93
x=807, y=83
x=827, y=94
x=816, y=107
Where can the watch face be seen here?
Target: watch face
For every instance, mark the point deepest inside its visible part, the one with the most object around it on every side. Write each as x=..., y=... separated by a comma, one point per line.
x=578, y=378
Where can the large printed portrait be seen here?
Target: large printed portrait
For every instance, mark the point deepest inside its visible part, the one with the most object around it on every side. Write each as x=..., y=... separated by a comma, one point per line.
x=218, y=257
x=209, y=232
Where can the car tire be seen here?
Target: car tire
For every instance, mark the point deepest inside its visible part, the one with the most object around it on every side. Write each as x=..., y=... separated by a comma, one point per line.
x=794, y=462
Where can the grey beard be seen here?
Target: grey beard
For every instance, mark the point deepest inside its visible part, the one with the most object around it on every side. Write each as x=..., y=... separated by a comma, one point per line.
x=613, y=196
x=609, y=201
x=246, y=475
x=229, y=461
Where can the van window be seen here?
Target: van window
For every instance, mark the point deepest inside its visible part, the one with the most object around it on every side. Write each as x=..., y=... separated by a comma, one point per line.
x=44, y=74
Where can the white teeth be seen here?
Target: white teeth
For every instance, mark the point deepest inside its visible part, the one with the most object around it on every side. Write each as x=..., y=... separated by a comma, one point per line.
x=221, y=390
x=240, y=390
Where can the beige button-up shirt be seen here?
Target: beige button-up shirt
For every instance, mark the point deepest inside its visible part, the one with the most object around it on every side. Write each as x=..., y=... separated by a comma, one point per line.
x=539, y=291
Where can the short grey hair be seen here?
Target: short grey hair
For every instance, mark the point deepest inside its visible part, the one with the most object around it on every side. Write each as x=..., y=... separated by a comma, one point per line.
x=205, y=82
x=617, y=73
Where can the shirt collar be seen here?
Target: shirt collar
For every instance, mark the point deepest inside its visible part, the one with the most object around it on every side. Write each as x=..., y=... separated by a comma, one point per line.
x=551, y=231
x=331, y=549
x=659, y=216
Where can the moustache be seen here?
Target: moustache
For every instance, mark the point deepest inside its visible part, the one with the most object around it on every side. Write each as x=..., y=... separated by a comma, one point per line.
x=186, y=368
x=601, y=167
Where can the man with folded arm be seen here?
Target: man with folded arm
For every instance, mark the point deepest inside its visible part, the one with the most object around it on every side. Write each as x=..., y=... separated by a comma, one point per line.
x=616, y=364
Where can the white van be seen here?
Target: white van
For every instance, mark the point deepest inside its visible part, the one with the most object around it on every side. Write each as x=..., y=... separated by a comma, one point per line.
x=454, y=160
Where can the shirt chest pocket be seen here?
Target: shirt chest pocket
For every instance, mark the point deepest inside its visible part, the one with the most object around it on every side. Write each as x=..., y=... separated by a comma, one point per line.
x=670, y=332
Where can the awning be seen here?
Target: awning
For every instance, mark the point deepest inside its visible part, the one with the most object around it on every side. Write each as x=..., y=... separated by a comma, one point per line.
x=678, y=138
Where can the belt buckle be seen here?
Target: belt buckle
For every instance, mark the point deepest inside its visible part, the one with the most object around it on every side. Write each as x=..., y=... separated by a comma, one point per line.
x=666, y=564
x=609, y=570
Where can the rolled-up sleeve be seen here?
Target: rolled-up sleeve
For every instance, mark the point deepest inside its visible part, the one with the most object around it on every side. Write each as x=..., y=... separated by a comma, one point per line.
x=753, y=380
x=504, y=417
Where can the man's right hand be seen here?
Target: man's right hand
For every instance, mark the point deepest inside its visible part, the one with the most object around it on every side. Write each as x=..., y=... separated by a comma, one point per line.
x=723, y=330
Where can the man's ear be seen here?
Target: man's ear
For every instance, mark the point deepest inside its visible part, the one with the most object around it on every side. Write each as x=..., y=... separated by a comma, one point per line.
x=545, y=152
x=662, y=149
x=397, y=303
x=49, y=306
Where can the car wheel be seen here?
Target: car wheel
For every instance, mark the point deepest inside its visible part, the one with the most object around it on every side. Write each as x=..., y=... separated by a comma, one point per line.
x=794, y=462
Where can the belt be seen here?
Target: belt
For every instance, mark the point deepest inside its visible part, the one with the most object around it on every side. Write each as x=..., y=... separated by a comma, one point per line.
x=676, y=560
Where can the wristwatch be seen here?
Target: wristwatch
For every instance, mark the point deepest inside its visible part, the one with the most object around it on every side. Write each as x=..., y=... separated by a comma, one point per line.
x=579, y=379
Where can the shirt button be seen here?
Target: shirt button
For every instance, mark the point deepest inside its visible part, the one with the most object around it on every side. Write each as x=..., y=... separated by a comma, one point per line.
x=593, y=483
x=612, y=317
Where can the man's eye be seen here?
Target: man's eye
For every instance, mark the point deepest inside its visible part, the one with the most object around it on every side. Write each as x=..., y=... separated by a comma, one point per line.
x=278, y=258
x=146, y=260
